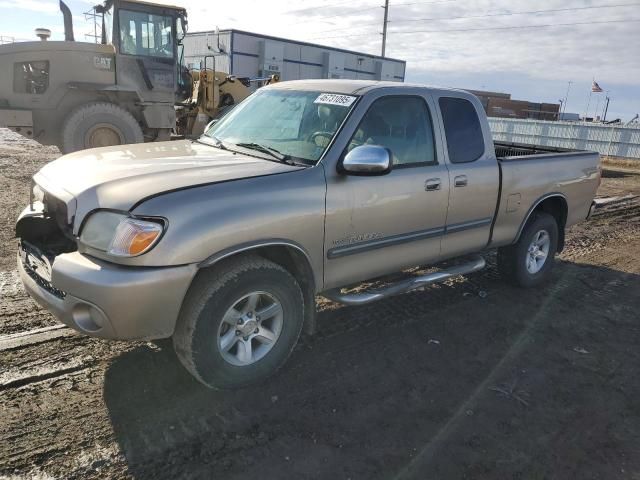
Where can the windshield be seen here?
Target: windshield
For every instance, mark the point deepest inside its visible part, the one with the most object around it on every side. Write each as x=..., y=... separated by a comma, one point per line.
x=145, y=34
x=296, y=124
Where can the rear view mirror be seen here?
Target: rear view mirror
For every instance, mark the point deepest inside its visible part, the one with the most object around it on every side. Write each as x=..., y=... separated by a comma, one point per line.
x=367, y=160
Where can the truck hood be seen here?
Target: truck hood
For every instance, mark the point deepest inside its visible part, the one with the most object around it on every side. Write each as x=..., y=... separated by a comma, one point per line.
x=118, y=177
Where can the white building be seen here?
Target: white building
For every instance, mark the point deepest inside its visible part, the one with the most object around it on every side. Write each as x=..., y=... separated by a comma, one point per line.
x=246, y=54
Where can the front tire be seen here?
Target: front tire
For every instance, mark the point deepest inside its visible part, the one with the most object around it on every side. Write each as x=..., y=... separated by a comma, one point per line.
x=239, y=322
x=529, y=262
x=99, y=124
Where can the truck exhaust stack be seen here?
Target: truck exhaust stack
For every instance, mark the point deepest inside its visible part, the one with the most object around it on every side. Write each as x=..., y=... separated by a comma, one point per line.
x=68, y=23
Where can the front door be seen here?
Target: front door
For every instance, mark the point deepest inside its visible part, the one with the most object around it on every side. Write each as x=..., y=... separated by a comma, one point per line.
x=381, y=224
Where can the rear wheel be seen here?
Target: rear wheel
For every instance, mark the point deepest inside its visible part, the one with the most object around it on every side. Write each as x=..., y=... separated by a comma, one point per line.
x=239, y=322
x=529, y=262
x=99, y=125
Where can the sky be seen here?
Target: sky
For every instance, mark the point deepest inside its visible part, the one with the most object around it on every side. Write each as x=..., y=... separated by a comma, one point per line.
x=529, y=49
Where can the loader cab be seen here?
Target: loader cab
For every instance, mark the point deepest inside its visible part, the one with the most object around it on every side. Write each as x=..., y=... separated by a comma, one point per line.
x=147, y=38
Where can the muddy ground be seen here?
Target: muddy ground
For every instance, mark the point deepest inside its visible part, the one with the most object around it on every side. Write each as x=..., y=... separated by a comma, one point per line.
x=471, y=379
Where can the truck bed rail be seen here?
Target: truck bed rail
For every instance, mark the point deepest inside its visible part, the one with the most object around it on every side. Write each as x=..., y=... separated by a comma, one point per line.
x=507, y=149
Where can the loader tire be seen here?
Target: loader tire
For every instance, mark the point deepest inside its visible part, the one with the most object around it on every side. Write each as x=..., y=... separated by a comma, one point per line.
x=99, y=125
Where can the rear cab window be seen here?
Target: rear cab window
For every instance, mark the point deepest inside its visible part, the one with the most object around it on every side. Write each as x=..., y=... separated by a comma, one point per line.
x=31, y=77
x=465, y=141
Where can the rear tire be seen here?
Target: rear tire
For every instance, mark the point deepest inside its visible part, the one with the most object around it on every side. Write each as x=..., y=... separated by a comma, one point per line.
x=223, y=340
x=529, y=262
x=99, y=125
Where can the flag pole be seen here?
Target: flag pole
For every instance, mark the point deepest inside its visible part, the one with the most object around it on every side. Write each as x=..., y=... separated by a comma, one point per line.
x=566, y=97
x=586, y=113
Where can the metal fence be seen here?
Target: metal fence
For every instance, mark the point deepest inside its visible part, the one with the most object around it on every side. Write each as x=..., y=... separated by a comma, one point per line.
x=615, y=141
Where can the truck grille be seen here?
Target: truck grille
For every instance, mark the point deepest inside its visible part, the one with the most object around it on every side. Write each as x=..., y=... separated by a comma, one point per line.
x=38, y=267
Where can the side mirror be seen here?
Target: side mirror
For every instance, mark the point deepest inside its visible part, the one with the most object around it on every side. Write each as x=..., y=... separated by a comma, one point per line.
x=367, y=160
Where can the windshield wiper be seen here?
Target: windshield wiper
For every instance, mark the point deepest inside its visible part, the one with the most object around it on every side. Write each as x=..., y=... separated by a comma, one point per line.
x=218, y=143
x=283, y=157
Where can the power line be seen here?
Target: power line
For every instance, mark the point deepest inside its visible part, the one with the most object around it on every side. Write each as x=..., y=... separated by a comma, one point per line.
x=360, y=10
x=530, y=12
x=546, y=25
x=422, y=3
x=311, y=7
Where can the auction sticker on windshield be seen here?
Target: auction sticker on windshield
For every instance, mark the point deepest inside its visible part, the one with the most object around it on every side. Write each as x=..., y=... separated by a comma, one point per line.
x=335, y=99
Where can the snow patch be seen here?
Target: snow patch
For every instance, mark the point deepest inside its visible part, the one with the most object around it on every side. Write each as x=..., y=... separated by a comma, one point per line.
x=12, y=138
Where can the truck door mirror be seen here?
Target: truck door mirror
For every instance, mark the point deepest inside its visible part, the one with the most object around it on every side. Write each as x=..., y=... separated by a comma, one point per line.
x=367, y=160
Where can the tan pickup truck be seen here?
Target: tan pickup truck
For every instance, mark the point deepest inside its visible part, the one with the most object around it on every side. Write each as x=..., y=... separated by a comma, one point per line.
x=305, y=188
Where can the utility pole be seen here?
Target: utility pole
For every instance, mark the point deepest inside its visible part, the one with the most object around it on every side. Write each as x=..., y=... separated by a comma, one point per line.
x=93, y=16
x=384, y=26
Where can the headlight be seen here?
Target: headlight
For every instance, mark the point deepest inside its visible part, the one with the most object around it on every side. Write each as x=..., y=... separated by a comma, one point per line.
x=120, y=235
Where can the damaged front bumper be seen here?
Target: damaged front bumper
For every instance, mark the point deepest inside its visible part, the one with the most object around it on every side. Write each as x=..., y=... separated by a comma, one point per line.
x=103, y=299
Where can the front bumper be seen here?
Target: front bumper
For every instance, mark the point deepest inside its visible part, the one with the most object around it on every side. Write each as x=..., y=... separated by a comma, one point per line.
x=105, y=300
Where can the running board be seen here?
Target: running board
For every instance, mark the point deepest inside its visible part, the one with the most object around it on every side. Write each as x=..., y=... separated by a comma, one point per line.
x=404, y=286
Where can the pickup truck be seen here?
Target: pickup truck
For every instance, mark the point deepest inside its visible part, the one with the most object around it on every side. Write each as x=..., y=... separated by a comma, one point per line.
x=306, y=188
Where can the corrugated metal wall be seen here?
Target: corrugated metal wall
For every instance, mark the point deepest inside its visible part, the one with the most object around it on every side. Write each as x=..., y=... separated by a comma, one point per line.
x=616, y=141
x=197, y=46
x=252, y=55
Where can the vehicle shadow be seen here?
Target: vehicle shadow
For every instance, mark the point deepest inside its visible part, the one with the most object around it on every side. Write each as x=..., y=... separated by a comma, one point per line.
x=360, y=399
x=608, y=172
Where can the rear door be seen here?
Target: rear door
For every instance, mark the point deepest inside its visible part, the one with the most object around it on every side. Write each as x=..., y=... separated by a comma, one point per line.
x=473, y=175
x=380, y=224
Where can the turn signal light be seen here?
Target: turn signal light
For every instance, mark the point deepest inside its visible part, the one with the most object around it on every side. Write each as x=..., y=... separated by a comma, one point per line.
x=134, y=237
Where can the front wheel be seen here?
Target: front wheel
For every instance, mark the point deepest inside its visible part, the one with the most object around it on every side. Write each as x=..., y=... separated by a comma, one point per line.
x=528, y=262
x=99, y=124
x=239, y=322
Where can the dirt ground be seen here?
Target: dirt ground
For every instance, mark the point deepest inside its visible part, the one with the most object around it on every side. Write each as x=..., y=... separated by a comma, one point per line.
x=471, y=379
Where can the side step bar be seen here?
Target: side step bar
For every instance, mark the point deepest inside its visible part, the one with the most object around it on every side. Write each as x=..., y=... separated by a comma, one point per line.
x=403, y=286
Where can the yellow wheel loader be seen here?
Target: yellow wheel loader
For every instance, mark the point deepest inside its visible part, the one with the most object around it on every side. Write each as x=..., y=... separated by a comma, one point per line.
x=129, y=88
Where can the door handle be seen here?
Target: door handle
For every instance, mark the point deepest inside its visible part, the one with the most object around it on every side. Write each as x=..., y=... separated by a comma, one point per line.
x=432, y=184
x=460, y=181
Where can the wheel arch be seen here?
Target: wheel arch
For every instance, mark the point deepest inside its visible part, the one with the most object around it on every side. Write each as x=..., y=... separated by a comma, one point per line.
x=555, y=204
x=289, y=255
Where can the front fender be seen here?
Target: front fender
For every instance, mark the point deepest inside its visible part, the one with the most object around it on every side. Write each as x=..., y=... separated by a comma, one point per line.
x=208, y=223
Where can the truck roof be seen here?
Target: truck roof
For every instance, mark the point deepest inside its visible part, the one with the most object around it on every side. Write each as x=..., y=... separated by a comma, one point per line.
x=352, y=87
x=155, y=4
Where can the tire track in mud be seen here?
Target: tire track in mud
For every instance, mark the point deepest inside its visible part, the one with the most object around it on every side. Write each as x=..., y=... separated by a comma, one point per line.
x=53, y=408
x=18, y=312
x=33, y=337
x=10, y=284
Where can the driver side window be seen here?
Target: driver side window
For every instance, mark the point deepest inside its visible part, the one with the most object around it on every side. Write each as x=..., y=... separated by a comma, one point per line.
x=401, y=124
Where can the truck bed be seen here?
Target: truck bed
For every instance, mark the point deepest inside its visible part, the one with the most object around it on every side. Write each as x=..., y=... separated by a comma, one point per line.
x=528, y=173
